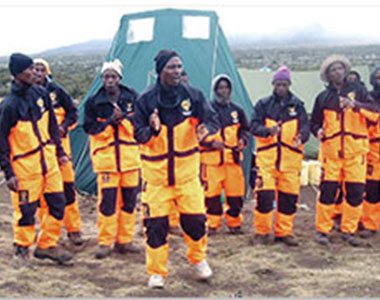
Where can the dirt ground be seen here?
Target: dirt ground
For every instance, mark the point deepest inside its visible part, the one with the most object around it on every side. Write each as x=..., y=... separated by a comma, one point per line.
x=240, y=269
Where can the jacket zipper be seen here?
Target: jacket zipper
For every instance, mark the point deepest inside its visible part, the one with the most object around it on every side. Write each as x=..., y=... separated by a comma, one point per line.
x=171, y=177
x=117, y=147
x=279, y=138
x=342, y=131
x=222, y=151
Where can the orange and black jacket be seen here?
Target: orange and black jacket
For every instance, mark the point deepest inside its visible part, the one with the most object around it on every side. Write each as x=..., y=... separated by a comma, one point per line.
x=233, y=126
x=29, y=136
x=112, y=145
x=345, y=131
x=171, y=156
x=279, y=151
x=374, y=132
x=64, y=108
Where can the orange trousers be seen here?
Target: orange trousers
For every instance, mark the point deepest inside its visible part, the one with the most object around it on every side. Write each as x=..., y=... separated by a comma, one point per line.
x=25, y=203
x=282, y=187
x=351, y=172
x=371, y=205
x=117, y=194
x=230, y=178
x=157, y=202
x=72, y=219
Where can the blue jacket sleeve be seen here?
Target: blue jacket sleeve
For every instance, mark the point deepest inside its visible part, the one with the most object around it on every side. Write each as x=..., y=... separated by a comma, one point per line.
x=258, y=121
x=69, y=107
x=207, y=115
x=143, y=131
x=316, y=121
x=304, y=129
x=53, y=129
x=243, y=132
x=7, y=120
x=90, y=124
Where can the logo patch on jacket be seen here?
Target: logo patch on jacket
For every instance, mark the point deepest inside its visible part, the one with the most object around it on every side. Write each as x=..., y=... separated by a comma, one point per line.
x=106, y=178
x=129, y=107
x=41, y=104
x=23, y=196
x=186, y=107
x=53, y=97
x=351, y=96
x=292, y=111
x=235, y=117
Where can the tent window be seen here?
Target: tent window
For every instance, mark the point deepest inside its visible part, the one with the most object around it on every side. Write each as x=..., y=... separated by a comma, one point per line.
x=196, y=27
x=140, y=30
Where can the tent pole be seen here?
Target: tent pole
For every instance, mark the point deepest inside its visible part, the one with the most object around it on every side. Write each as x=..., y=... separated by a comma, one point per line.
x=214, y=58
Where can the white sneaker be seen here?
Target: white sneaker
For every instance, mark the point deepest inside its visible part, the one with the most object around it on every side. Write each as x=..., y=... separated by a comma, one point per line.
x=203, y=270
x=156, y=282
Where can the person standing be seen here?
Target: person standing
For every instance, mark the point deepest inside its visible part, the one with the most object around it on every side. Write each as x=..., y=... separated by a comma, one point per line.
x=339, y=120
x=115, y=159
x=280, y=126
x=67, y=116
x=221, y=160
x=170, y=121
x=30, y=155
x=370, y=219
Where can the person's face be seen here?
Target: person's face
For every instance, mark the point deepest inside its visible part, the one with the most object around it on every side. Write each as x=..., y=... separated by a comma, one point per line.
x=336, y=73
x=281, y=87
x=171, y=73
x=223, y=90
x=352, y=78
x=111, y=81
x=377, y=78
x=40, y=73
x=27, y=76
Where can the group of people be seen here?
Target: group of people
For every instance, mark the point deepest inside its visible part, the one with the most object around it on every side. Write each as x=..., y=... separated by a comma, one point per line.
x=181, y=152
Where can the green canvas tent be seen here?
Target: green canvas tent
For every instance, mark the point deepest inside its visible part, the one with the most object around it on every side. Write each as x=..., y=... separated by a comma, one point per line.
x=195, y=35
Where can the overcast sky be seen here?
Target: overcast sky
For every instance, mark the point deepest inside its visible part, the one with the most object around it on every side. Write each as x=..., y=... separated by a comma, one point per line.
x=39, y=25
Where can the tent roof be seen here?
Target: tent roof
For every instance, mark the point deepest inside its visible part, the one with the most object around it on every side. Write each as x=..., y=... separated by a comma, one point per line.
x=166, y=11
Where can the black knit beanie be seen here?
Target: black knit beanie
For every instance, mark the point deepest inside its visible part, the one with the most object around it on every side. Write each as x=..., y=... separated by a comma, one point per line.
x=162, y=59
x=19, y=62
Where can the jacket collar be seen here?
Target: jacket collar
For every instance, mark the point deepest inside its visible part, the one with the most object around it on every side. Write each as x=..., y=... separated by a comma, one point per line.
x=102, y=98
x=19, y=89
x=289, y=100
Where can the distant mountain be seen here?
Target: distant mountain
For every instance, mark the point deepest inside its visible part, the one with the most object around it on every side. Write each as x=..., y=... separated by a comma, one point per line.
x=94, y=46
x=311, y=35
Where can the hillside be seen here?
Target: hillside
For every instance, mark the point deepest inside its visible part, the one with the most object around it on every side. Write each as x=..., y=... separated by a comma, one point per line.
x=76, y=66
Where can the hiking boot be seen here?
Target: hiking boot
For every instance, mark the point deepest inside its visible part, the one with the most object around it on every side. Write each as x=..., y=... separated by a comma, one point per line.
x=212, y=231
x=203, y=270
x=156, y=282
x=102, y=251
x=337, y=221
x=235, y=230
x=75, y=238
x=322, y=238
x=53, y=253
x=21, y=253
x=367, y=233
x=127, y=248
x=353, y=240
x=175, y=231
x=288, y=240
x=261, y=239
